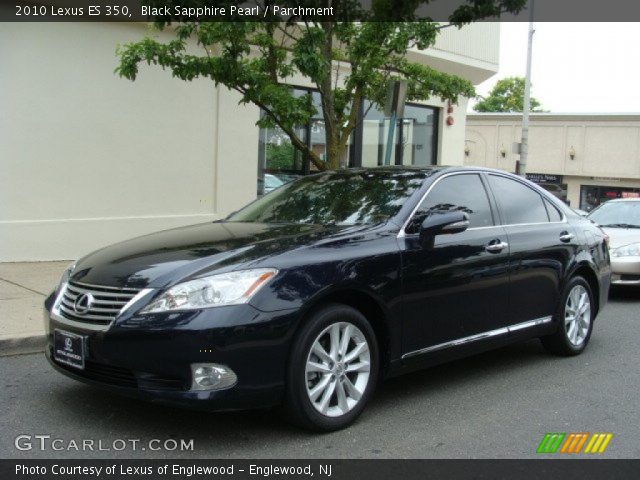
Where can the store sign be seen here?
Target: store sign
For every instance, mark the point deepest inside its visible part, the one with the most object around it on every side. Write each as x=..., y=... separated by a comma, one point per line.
x=605, y=179
x=630, y=194
x=544, y=178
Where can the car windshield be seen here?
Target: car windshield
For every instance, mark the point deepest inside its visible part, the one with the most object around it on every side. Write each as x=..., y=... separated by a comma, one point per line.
x=617, y=214
x=352, y=197
x=271, y=181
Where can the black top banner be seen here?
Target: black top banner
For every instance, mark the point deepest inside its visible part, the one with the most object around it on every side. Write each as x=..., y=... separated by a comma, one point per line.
x=457, y=11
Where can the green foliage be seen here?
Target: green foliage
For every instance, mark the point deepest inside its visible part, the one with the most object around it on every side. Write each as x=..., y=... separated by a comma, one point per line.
x=347, y=62
x=280, y=157
x=507, y=96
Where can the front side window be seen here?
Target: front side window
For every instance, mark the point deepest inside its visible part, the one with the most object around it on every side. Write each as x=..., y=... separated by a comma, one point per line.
x=335, y=198
x=457, y=192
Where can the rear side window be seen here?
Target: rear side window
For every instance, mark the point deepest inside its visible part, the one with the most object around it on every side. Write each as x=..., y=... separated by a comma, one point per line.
x=458, y=192
x=518, y=203
x=552, y=210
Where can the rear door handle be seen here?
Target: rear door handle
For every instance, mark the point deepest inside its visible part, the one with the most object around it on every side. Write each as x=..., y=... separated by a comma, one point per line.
x=496, y=246
x=566, y=237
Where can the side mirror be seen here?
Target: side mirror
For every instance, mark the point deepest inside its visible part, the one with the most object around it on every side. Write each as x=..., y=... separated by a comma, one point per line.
x=441, y=224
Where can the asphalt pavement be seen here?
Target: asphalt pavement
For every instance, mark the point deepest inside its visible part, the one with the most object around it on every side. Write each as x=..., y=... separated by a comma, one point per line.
x=495, y=405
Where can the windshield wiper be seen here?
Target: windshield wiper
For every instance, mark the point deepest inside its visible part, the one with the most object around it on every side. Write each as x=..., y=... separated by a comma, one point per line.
x=620, y=225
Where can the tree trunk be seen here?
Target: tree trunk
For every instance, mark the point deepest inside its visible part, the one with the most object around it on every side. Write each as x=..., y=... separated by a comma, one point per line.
x=335, y=150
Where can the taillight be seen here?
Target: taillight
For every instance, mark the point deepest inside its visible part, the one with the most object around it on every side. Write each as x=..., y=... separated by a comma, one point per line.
x=606, y=239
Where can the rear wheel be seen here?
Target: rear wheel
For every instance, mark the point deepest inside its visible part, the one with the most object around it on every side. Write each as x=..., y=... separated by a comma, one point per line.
x=574, y=317
x=332, y=370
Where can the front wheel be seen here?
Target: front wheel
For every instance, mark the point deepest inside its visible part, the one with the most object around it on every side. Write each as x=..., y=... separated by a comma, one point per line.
x=575, y=317
x=332, y=369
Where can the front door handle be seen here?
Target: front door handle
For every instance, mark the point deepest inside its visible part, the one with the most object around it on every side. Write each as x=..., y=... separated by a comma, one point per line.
x=566, y=237
x=496, y=246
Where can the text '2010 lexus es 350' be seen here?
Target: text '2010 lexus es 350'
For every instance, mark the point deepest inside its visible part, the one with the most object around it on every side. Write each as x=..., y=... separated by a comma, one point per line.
x=311, y=294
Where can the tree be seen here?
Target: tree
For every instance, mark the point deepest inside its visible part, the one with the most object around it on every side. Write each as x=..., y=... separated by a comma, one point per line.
x=507, y=96
x=279, y=156
x=346, y=61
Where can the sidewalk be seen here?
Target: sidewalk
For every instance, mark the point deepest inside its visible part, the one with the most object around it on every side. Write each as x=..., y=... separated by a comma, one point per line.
x=23, y=288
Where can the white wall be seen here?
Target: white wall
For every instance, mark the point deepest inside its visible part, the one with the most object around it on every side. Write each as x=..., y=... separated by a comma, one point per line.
x=479, y=41
x=451, y=144
x=471, y=52
x=605, y=145
x=88, y=158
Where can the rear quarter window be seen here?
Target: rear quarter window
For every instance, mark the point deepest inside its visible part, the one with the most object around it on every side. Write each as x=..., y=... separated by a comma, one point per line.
x=554, y=214
x=518, y=202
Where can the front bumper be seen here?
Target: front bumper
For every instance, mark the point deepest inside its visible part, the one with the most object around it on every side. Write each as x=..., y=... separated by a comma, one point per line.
x=150, y=357
x=626, y=270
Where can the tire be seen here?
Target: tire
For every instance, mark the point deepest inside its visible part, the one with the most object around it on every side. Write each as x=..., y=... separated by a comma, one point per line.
x=322, y=393
x=572, y=336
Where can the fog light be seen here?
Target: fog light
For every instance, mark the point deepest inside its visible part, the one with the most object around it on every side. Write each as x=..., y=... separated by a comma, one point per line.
x=211, y=376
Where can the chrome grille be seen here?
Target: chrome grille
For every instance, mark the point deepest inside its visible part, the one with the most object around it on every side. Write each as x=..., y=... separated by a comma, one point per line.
x=107, y=302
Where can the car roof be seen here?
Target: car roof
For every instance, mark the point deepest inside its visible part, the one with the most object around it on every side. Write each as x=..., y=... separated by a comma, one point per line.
x=428, y=170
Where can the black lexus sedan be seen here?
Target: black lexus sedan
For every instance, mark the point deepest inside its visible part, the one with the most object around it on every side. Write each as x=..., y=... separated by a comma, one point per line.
x=311, y=294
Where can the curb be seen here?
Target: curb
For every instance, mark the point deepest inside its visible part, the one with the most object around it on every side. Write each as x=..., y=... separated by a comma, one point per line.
x=22, y=345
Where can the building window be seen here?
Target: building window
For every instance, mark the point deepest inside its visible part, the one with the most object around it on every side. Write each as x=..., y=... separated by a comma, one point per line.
x=415, y=143
x=278, y=161
x=593, y=195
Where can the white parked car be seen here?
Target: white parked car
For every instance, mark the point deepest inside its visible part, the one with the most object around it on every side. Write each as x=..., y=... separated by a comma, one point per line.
x=620, y=219
x=271, y=182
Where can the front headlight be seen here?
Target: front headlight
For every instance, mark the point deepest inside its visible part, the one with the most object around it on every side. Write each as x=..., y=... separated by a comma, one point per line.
x=216, y=290
x=631, y=250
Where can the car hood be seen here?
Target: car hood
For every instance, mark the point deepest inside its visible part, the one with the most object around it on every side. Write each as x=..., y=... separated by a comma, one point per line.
x=619, y=237
x=161, y=258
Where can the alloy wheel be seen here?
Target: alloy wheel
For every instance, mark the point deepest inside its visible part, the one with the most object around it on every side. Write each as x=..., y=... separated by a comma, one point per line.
x=337, y=369
x=577, y=315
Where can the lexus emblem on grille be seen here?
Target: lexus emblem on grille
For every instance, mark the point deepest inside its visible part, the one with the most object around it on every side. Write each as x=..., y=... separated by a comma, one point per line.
x=83, y=303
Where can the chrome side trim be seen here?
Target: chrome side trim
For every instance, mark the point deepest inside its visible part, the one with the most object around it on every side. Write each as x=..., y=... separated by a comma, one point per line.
x=457, y=342
x=479, y=336
x=625, y=282
x=530, y=323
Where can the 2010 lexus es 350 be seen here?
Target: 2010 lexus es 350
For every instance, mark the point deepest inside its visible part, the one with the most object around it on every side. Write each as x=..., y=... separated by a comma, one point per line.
x=311, y=294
